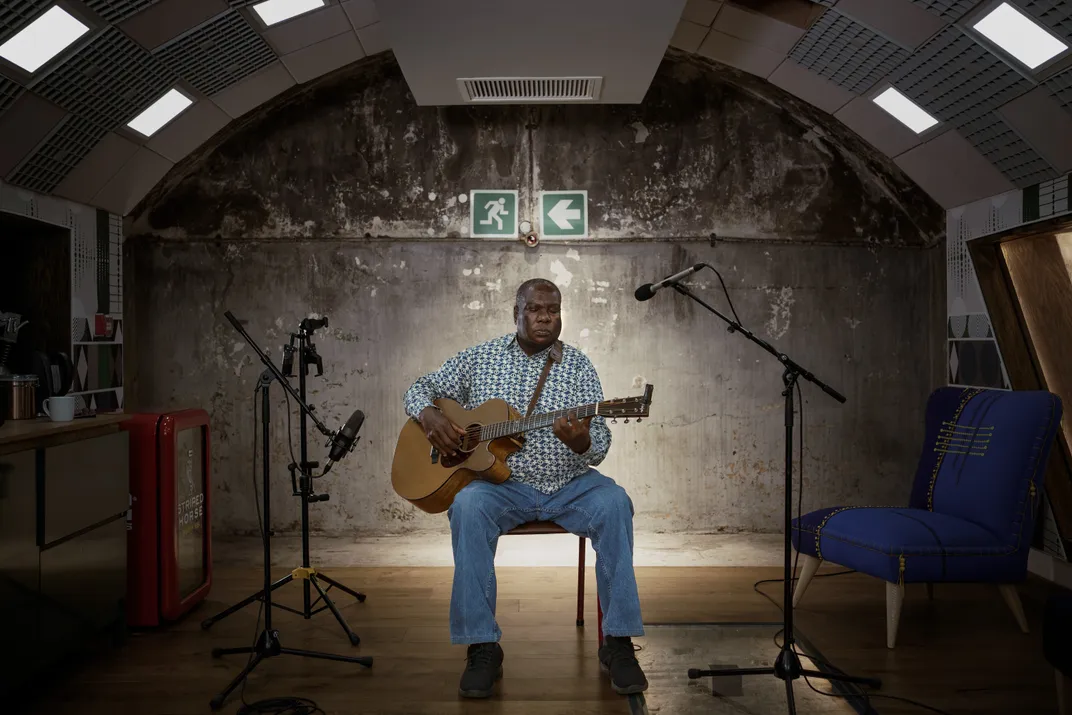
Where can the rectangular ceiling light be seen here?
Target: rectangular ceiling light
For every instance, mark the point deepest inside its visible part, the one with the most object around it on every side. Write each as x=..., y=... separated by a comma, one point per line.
x=1019, y=35
x=43, y=39
x=160, y=113
x=905, y=110
x=275, y=11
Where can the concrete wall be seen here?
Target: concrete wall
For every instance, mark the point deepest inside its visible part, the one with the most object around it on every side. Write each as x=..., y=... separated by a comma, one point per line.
x=834, y=261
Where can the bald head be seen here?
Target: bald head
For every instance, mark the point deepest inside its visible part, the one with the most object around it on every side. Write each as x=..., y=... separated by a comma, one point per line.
x=538, y=314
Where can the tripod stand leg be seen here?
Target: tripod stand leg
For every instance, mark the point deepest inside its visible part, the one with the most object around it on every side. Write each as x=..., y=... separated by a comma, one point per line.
x=354, y=640
x=840, y=678
x=208, y=622
x=359, y=596
x=360, y=660
x=217, y=702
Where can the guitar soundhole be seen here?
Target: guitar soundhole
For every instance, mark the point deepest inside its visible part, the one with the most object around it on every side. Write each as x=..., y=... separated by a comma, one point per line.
x=469, y=444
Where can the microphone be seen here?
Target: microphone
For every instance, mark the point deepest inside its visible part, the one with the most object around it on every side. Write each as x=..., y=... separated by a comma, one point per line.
x=343, y=441
x=646, y=291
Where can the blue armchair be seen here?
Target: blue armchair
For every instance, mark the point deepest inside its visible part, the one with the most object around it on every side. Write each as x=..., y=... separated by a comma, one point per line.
x=972, y=510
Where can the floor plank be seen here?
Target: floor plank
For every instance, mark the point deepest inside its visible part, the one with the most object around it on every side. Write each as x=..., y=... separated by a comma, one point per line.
x=961, y=652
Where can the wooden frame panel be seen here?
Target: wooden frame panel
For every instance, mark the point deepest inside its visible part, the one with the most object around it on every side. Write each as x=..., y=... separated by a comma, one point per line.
x=991, y=257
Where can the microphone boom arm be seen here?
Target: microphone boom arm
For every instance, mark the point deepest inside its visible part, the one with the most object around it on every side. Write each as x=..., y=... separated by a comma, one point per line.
x=278, y=375
x=789, y=363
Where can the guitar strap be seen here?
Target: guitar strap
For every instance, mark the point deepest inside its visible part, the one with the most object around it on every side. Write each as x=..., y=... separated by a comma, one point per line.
x=554, y=356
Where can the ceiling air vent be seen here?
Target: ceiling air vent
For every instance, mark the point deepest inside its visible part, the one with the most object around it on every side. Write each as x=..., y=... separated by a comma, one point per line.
x=530, y=89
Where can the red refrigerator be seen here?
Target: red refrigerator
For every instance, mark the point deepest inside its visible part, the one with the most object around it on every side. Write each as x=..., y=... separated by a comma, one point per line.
x=169, y=544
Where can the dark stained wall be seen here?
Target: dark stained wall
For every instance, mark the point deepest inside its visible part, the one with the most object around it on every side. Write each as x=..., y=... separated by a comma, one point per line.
x=342, y=199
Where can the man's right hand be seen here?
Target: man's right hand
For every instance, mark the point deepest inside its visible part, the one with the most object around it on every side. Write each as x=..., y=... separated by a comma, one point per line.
x=440, y=431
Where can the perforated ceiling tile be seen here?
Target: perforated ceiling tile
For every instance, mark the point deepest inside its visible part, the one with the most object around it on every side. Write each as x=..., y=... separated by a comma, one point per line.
x=9, y=92
x=948, y=9
x=109, y=82
x=1004, y=148
x=1060, y=86
x=16, y=13
x=218, y=53
x=117, y=10
x=61, y=152
x=957, y=80
x=847, y=53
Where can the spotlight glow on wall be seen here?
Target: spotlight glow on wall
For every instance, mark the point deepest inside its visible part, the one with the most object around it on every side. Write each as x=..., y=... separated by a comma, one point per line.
x=275, y=11
x=43, y=39
x=905, y=110
x=1019, y=35
x=160, y=113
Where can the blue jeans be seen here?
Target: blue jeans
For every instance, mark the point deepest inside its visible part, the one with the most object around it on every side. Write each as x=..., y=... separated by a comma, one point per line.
x=591, y=505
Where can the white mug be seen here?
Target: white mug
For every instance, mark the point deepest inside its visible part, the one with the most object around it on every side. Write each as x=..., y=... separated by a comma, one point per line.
x=60, y=409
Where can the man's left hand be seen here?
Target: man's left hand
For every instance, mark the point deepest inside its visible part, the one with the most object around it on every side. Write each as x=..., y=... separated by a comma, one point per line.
x=573, y=432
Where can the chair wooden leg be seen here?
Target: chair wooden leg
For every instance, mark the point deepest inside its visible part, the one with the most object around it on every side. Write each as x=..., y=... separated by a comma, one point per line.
x=580, y=585
x=1064, y=707
x=599, y=616
x=1012, y=598
x=811, y=565
x=894, y=599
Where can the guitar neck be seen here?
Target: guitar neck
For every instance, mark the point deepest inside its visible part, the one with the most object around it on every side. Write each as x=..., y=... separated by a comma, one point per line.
x=525, y=424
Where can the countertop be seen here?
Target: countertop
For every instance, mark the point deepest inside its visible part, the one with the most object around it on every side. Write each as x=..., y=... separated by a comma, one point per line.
x=17, y=435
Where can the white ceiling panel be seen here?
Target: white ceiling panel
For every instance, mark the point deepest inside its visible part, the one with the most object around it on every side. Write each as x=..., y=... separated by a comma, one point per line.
x=362, y=13
x=87, y=179
x=758, y=29
x=192, y=128
x=701, y=12
x=373, y=39
x=1044, y=125
x=904, y=22
x=622, y=41
x=952, y=171
x=168, y=19
x=688, y=36
x=310, y=62
x=810, y=87
x=31, y=119
x=307, y=29
x=254, y=90
x=137, y=177
x=877, y=127
x=741, y=54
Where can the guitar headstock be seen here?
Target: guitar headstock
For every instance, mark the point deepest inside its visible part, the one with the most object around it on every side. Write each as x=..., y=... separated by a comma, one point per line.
x=627, y=406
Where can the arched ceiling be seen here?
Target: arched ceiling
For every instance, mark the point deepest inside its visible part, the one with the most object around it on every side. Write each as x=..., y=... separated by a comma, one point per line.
x=999, y=124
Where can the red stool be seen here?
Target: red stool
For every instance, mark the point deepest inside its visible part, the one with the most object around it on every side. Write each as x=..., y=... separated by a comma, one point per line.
x=550, y=527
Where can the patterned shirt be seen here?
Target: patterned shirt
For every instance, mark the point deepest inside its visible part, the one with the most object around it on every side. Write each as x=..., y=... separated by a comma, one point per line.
x=499, y=368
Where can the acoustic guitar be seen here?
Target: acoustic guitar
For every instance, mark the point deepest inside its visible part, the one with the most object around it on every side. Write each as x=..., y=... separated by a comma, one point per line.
x=494, y=430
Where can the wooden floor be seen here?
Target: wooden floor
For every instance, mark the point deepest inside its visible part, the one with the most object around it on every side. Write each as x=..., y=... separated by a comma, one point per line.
x=962, y=652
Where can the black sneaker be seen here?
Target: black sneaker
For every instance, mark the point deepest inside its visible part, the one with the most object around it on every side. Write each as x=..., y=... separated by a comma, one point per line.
x=483, y=668
x=617, y=657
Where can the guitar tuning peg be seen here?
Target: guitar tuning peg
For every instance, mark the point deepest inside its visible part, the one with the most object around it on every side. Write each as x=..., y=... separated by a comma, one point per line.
x=627, y=420
x=638, y=419
x=614, y=420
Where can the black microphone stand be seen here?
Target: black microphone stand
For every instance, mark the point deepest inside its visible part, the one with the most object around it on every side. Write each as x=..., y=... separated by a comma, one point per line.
x=268, y=644
x=787, y=665
x=303, y=487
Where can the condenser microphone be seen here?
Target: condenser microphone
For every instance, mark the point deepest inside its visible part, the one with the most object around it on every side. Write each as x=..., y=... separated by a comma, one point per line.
x=344, y=440
x=646, y=291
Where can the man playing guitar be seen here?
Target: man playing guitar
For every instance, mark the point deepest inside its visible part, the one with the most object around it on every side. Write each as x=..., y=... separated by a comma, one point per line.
x=553, y=478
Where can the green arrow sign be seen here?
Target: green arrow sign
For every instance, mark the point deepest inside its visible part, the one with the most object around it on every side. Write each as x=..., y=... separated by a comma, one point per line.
x=564, y=213
x=493, y=213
